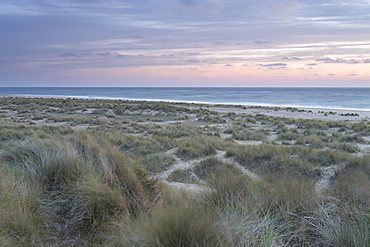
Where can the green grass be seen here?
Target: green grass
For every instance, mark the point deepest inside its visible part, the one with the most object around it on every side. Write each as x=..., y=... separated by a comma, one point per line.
x=288, y=135
x=157, y=162
x=213, y=167
x=200, y=146
x=20, y=219
x=249, y=135
x=212, y=119
x=335, y=226
x=61, y=186
x=77, y=188
x=313, y=141
x=182, y=176
x=182, y=223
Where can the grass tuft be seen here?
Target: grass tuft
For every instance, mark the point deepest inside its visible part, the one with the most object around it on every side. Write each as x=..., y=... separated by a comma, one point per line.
x=84, y=185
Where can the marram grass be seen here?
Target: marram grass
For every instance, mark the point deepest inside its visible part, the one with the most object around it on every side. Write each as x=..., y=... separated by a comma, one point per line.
x=60, y=186
x=70, y=190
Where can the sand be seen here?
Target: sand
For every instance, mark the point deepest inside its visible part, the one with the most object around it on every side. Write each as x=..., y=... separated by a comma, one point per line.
x=304, y=114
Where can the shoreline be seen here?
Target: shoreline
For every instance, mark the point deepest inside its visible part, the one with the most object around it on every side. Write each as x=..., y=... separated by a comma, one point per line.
x=297, y=112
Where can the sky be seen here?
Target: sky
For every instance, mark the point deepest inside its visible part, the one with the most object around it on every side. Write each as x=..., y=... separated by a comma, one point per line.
x=170, y=43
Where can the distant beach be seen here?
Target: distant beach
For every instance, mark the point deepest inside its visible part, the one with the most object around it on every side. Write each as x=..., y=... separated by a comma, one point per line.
x=316, y=98
x=313, y=113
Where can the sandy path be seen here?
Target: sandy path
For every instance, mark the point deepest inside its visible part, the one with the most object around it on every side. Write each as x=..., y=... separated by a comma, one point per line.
x=188, y=187
x=221, y=155
x=179, y=164
x=183, y=165
x=328, y=173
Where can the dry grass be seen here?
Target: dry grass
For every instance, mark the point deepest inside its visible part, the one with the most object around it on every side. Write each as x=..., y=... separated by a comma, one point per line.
x=64, y=187
x=83, y=186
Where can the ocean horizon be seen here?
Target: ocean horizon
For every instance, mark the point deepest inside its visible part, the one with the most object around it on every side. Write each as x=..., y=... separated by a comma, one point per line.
x=307, y=97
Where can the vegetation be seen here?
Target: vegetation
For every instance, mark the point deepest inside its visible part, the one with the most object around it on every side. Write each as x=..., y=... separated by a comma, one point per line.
x=69, y=190
x=78, y=172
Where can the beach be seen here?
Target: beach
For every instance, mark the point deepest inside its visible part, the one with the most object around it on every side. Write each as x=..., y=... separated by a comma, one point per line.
x=301, y=112
x=317, y=113
x=328, y=98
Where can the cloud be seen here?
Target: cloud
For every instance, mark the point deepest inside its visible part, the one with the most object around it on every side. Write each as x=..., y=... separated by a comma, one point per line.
x=340, y=60
x=168, y=55
x=189, y=2
x=105, y=54
x=352, y=74
x=71, y=54
x=206, y=5
x=331, y=74
x=89, y=54
x=274, y=64
x=91, y=1
x=329, y=60
x=112, y=54
x=262, y=42
x=219, y=42
x=75, y=34
x=292, y=58
x=195, y=61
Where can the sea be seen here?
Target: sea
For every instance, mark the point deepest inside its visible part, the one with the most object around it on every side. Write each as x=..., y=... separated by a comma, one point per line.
x=330, y=98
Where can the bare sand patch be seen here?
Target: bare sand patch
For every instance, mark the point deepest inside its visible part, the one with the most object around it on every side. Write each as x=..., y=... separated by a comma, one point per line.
x=306, y=113
x=252, y=175
x=249, y=142
x=323, y=183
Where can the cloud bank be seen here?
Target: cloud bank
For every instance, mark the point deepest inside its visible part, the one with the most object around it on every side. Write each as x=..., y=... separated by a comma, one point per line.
x=118, y=43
